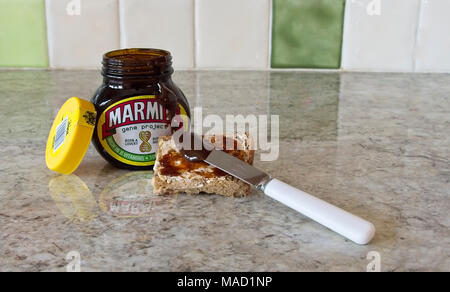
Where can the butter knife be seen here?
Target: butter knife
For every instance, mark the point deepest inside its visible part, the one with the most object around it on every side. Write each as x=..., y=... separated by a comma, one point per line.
x=346, y=224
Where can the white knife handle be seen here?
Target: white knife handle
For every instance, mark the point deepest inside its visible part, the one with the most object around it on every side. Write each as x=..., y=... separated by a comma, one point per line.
x=336, y=219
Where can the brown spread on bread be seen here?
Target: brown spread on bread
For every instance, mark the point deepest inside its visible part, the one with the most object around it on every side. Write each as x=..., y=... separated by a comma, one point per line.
x=173, y=173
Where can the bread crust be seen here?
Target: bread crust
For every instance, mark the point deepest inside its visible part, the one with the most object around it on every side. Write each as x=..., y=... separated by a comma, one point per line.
x=202, y=180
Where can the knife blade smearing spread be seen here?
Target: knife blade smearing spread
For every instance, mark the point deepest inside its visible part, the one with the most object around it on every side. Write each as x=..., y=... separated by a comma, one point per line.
x=348, y=225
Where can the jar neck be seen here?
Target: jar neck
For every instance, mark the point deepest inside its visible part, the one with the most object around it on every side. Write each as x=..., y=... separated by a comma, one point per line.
x=135, y=83
x=136, y=68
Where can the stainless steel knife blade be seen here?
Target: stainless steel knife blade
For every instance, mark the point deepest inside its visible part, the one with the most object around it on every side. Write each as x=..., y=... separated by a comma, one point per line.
x=237, y=168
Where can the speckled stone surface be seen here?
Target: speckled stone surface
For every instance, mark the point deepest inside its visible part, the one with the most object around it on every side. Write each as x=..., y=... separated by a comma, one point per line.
x=377, y=145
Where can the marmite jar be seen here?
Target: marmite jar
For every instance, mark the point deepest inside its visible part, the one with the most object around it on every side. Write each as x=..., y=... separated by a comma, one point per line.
x=135, y=105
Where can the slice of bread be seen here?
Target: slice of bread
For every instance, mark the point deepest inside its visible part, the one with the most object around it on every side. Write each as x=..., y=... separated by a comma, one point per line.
x=175, y=174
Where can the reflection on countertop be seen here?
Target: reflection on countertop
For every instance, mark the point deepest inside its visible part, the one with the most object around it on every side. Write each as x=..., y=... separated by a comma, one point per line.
x=375, y=144
x=128, y=196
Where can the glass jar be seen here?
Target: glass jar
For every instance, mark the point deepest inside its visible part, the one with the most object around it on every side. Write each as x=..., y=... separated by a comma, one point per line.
x=135, y=105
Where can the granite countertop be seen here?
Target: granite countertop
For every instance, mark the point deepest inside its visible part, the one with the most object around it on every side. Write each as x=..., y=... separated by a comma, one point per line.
x=377, y=145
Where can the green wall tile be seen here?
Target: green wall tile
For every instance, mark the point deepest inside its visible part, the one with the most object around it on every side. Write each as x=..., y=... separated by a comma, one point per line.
x=307, y=33
x=23, y=37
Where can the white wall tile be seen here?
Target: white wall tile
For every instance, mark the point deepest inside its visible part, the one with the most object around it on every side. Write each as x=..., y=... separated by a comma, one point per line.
x=162, y=24
x=81, y=40
x=232, y=33
x=383, y=42
x=433, y=41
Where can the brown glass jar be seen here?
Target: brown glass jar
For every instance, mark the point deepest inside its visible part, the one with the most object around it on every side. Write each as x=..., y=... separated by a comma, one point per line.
x=135, y=105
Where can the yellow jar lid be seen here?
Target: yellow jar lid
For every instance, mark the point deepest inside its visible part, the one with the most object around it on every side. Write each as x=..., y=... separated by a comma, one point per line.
x=70, y=135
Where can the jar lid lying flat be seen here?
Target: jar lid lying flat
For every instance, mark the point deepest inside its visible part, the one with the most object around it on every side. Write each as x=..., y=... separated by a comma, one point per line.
x=70, y=135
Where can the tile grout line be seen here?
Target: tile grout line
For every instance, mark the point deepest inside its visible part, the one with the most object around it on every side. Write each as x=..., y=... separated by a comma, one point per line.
x=196, y=31
x=122, y=34
x=280, y=70
x=345, y=25
x=50, y=48
x=416, y=38
x=269, y=46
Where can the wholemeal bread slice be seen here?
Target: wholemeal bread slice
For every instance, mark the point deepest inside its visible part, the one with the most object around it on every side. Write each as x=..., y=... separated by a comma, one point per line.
x=174, y=174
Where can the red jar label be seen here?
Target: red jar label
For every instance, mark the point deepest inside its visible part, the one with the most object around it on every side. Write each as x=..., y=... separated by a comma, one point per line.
x=129, y=129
